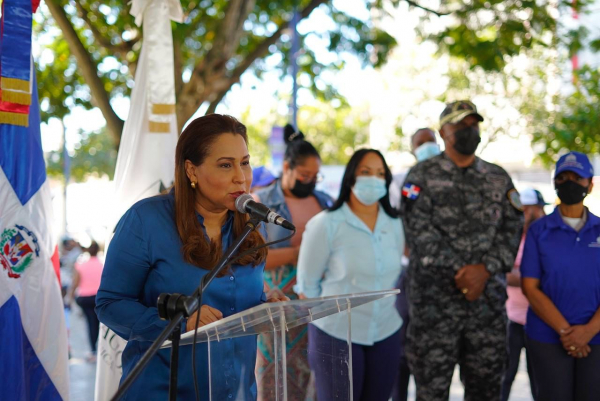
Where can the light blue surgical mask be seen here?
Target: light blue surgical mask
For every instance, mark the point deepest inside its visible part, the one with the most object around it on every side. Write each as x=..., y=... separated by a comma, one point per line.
x=427, y=151
x=369, y=189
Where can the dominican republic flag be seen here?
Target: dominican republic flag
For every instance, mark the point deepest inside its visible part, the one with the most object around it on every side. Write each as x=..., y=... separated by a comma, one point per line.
x=410, y=191
x=33, y=335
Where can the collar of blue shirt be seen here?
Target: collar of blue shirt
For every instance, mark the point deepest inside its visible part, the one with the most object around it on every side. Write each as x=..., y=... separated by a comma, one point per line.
x=555, y=220
x=227, y=225
x=355, y=221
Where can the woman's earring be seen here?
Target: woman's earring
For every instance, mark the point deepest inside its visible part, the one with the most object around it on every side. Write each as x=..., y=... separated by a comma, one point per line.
x=193, y=185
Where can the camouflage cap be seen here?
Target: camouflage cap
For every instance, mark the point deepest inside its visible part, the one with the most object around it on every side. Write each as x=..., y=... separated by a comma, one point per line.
x=456, y=111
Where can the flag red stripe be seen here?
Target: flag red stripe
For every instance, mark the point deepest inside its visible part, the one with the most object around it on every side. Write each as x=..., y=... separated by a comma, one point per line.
x=56, y=263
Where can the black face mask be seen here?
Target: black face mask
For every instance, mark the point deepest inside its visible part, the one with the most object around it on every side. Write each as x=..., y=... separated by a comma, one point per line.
x=301, y=190
x=571, y=193
x=466, y=140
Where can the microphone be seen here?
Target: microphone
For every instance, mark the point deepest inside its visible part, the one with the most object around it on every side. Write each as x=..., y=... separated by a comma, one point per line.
x=246, y=204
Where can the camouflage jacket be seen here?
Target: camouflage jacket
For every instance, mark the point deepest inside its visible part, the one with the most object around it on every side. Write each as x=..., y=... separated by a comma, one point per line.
x=457, y=216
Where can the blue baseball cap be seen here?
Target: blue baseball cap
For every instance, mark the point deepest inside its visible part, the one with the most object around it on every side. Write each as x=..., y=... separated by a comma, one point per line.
x=576, y=162
x=261, y=177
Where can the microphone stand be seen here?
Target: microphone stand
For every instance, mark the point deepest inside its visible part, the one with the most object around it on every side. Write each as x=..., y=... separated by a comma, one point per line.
x=177, y=307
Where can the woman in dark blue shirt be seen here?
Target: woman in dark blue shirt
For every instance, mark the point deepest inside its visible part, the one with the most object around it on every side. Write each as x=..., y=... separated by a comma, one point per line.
x=560, y=273
x=166, y=244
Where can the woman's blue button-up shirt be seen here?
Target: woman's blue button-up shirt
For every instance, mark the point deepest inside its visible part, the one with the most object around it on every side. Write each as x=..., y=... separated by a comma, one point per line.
x=341, y=255
x=144, y=260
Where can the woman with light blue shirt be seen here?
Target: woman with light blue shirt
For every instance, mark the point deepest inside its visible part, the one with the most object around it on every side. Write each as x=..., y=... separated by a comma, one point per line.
x=354, y=247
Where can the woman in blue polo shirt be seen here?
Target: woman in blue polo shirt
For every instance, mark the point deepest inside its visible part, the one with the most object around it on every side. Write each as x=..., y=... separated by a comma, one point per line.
x=356, y=246
x=560, y=274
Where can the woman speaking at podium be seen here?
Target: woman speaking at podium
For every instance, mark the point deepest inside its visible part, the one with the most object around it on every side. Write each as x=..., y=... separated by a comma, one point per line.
x=166, y=244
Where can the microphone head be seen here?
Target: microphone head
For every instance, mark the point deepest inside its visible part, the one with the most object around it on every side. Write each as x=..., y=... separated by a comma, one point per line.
x=241, y=201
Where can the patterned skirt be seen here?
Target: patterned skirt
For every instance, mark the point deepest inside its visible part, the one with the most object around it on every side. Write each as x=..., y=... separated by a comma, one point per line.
x=300, y=387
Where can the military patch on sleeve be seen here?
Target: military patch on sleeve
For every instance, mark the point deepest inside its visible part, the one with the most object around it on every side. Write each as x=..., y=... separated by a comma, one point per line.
x=410, y=191
x=515, y=199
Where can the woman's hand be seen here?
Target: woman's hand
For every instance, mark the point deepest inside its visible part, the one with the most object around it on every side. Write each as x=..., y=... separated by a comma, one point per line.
x=575, y=340
x=277, y=299
x=275, y=295
x=208, y=315
x=580, y=352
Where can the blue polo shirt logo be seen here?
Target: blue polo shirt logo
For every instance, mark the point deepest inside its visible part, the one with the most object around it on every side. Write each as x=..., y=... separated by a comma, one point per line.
x=595, y=244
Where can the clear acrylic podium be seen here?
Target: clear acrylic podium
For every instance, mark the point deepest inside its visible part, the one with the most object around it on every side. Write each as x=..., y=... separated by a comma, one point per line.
x=276, y=319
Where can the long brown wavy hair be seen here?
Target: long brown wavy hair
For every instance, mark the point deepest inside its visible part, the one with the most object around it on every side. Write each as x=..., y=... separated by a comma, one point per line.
x=194, y=145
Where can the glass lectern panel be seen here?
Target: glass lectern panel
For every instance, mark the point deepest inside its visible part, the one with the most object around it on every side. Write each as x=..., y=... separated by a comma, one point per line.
x=278, y=382
x=231, y=345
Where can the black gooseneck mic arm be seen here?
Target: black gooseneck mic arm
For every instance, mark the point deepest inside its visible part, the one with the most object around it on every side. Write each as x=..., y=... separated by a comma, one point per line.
x=177, y=307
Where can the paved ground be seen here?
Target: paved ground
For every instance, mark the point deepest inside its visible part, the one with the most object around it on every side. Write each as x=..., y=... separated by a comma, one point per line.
x=83, y=374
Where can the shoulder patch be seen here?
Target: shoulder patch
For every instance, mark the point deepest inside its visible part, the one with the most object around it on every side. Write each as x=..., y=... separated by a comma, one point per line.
x=411, y=191
x=515, y=199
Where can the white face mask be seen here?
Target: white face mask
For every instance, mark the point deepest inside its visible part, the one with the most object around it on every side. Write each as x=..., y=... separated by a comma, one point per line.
x=369, y=189
x=427, y=151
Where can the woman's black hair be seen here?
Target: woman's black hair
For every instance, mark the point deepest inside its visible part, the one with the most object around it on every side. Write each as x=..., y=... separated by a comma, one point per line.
x=297, y=149
x=93, y=249
x=349, y=180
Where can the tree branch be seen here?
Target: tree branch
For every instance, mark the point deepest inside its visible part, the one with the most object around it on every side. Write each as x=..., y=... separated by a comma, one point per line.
x=205, y=79
x=121, y=48
x=429, y=10
x=215, y=102
x=88, y=69
x=263, y=47
x=228, y=33
x=177, y=67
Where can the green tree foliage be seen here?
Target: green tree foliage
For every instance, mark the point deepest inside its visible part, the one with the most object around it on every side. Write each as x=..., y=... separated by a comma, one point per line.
x=575, y=125
x=219, y=41
x=94, y=156
x=487, y=33
x=335, y=131
x=93, y=48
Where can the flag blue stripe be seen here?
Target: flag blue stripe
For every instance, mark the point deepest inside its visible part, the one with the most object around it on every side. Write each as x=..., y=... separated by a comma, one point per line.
x=21, y=154
x=16, y=39
x=22, y=376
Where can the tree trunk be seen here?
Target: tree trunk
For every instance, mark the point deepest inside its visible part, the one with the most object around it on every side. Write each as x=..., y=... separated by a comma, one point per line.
x=187, y=105
x=88, y=69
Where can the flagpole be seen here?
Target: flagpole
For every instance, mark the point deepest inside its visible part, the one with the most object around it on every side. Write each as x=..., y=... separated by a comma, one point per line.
x=294, y=61
x=66, y=174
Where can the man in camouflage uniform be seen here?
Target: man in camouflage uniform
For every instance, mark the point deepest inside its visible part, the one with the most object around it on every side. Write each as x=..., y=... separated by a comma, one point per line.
x=463, y=222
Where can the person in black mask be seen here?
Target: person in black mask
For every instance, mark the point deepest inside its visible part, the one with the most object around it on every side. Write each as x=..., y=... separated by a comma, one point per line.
x=560, y=276
x=463, y=220
x=294, y=197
